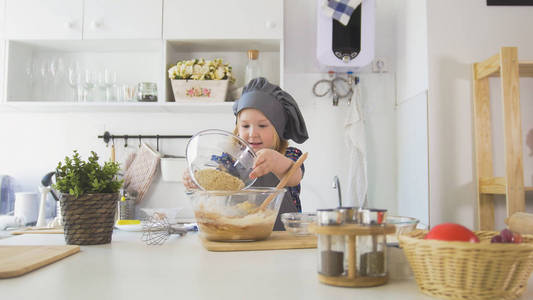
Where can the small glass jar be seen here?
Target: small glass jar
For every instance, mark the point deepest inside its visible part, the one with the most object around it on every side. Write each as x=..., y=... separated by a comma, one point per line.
x=372, y=249
x=331, y=257
x=330, y=247
x=147, y=92
x=372, y=255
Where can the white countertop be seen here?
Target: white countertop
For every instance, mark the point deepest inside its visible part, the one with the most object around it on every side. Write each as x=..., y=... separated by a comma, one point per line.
x=183, y=269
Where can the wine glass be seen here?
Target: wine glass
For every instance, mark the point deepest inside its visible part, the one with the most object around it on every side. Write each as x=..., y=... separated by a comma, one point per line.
x=89, y=80
x=110, y=81
x=30, y=69
x=57, y=68
x=44, y=72
x=106, y=80
x=75, y=82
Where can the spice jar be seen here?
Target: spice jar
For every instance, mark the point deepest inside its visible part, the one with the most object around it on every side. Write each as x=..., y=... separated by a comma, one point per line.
x=331, y=247
x=351, y=254
x=372, y=249
x=147, y=92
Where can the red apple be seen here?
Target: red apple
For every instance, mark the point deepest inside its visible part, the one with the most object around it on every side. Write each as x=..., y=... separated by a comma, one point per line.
x=452, y=232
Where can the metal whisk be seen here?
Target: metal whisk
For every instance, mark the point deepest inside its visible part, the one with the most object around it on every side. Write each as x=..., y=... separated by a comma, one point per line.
x=156, y=230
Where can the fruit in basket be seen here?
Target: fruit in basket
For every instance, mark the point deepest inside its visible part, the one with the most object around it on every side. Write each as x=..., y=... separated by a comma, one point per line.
x=452, y=232
x=517, y=238
x=507, y=236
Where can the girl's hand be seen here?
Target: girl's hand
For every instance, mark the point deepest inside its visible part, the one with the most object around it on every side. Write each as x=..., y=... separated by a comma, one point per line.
x=267, y=161
x=187, y=180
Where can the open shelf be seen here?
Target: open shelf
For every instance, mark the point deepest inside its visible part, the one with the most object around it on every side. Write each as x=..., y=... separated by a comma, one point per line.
x=232, y=51
x=134, y=61
x=116, y=107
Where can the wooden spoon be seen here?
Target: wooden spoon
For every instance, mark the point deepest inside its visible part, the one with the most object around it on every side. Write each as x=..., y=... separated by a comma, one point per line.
x=284, y=180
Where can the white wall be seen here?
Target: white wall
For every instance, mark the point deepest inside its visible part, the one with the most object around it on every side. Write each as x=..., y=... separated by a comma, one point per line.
x=327, y=152
x=460, y=33
x=412, y=134
x=33, y=143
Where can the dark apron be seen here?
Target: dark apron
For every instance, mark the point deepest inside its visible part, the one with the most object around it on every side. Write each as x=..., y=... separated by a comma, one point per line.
x=270, y=180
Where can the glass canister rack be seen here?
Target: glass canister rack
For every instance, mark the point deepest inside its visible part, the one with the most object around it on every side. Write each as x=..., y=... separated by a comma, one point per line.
x=352, y=255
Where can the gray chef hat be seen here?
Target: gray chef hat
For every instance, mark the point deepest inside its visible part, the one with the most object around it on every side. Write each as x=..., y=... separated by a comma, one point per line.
x=277, y=105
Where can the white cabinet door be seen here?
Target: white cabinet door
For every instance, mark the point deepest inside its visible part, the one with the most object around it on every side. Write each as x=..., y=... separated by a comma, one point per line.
x=2, y=18
x=38, y=19
x=216, y=19
x=122, y=19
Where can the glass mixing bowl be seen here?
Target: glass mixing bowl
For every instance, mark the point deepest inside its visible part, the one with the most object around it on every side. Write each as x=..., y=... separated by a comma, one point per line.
x=219, y=160
x=297, y=223
x=235, y=216
x=403, y=225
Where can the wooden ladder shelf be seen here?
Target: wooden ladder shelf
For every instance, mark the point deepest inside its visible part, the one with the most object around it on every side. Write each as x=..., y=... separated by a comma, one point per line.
x=505, y=65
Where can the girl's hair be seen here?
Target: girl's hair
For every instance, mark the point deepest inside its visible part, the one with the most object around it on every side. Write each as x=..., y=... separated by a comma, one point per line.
x=279, y=144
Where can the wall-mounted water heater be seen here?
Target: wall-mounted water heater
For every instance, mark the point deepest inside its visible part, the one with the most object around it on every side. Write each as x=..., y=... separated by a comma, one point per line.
x=350, y=47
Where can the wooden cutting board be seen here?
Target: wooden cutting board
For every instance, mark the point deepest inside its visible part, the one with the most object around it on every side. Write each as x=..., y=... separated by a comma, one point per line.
x=278, y=240
x=38, y=231
x=19, y=260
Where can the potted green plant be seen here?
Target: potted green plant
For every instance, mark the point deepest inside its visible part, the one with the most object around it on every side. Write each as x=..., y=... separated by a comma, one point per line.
x=200, y=80
x=89, y=195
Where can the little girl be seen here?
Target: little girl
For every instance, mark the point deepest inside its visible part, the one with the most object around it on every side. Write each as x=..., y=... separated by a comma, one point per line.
x=267, y=117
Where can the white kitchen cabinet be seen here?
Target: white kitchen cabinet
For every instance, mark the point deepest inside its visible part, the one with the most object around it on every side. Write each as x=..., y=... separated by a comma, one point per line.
x=2, y=18
x=2, y=45
x=229, y=19
x=44, y=20
x=139, y=39
x=122, y=19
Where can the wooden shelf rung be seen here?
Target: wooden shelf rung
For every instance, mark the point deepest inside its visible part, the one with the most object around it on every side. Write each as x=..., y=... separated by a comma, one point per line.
x=496, y=185
x=491, y=68
x=492, y=185
x=488, y=67
x=525, y=68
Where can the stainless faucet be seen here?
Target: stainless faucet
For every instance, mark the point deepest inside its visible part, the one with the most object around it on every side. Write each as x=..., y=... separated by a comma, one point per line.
x=337, y=185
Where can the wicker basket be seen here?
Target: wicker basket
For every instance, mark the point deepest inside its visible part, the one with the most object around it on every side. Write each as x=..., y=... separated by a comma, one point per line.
x=89, y=219
x=459, y=270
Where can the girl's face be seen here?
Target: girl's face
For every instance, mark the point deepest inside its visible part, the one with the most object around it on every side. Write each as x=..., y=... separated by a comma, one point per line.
x=256, y=129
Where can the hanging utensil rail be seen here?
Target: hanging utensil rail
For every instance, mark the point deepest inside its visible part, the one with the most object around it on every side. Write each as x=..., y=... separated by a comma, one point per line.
x=107, y=137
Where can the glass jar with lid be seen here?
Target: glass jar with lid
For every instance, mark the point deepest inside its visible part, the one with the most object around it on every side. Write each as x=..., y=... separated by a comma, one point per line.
x=331, y=247
x=147, y=92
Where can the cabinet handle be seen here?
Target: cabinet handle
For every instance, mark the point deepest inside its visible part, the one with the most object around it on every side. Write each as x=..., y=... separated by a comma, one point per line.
x=96, y=24
x=69, y=24
x=270, y=24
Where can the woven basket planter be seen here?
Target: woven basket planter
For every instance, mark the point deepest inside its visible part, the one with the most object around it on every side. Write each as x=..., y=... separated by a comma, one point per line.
x=459, y=270
x=89, y=219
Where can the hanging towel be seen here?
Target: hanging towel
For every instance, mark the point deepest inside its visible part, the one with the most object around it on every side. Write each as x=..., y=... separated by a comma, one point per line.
x=7, y=195
x=340, y=10
x=355, y=139
x=141, y=171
